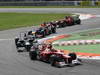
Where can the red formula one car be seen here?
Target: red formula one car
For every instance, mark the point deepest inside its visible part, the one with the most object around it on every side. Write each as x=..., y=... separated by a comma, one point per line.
x=69, y=21
x=56, y=58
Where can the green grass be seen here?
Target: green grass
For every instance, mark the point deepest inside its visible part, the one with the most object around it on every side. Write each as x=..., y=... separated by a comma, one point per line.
x=80, y=36
x=81, y=48
x=15, y=20
x=49, y=6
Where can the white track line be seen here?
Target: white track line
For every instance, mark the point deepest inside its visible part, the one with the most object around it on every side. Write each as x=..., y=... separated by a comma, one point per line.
x=5, y=39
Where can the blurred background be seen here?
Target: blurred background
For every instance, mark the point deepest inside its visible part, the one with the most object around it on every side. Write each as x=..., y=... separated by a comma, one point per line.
x=49, y=2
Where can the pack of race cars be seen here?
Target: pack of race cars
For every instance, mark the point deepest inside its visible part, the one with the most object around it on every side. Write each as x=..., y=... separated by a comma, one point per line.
x=50, y=27
x=45, y=52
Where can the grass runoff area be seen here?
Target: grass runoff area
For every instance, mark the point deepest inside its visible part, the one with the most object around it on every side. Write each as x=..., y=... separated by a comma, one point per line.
x=16, y=20
x=81, y=48
x=49, y=6
x=87, y=35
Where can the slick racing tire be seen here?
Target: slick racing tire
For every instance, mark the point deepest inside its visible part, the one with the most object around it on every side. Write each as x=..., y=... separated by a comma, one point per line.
x=28, y=47
x=78, y=22
x=43, y=34
x=54, y=30
x=54, y=60
x=33, y=55
x=19, y=51
x=16, y=41
x=73, y=55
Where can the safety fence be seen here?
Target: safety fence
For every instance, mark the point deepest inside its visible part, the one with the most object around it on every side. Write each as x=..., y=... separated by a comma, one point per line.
x=51, y=3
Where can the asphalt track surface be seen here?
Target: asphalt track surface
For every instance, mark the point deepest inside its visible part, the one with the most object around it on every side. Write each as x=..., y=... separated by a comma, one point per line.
x=13, y=63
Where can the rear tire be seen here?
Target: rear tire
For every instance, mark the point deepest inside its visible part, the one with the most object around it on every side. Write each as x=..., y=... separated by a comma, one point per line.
x=33, y=55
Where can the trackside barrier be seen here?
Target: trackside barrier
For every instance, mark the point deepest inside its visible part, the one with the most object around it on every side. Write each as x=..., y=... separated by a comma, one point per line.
x=50, y=3
x=76, y=42
x=38, y=3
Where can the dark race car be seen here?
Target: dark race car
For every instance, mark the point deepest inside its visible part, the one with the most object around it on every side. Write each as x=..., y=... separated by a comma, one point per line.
x=45, y=30
x=56, y=58
x=51, y=27
x=40, y=32
x=24, y=41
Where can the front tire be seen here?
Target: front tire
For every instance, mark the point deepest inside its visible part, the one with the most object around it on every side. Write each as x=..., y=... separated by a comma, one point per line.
x=54, y=61
x=73, y=55
x=28, y=47
x=79, y=21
